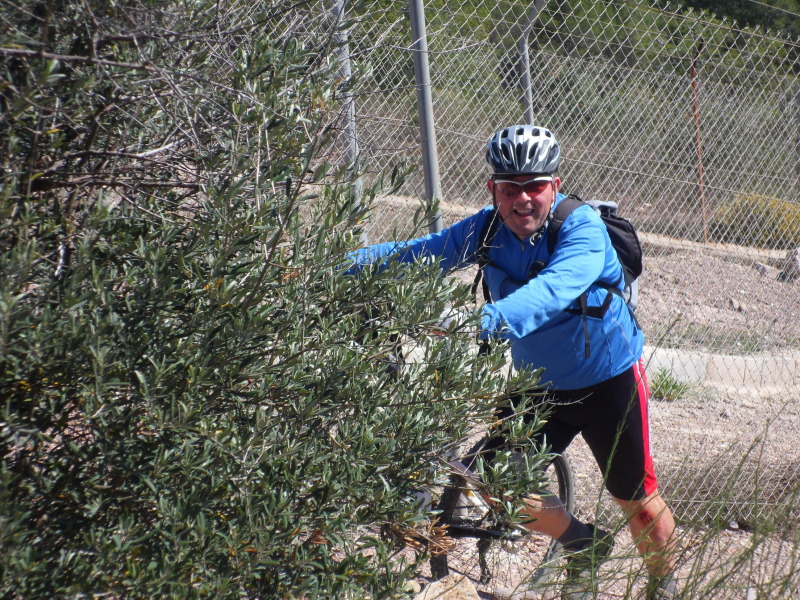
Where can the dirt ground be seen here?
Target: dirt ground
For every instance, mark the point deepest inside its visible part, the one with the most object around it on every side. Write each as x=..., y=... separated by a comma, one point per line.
x=708, y=297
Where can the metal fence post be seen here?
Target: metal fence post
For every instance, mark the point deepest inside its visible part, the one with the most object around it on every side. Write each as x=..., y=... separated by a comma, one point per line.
x=345, y=72
x=430, y=160
x=525, y=61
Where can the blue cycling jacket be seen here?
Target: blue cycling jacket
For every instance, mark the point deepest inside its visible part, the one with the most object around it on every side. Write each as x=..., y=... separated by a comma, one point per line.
x=532, y=315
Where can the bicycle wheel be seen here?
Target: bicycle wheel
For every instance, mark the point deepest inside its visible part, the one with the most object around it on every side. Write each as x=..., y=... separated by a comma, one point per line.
x=500, y=562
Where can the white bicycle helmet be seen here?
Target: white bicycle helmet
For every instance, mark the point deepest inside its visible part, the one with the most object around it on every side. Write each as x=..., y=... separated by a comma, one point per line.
x=523, y=150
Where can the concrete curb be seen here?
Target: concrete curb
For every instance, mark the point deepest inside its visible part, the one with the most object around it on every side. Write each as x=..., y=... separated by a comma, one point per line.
x=759, y=374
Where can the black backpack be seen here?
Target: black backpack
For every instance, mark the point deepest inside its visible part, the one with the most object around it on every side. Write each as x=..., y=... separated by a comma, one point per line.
x=623, y=237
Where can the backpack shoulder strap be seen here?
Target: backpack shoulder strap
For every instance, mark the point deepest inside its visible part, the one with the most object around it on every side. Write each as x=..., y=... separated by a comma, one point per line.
x=560, y=214
x=564, y=210
x=488, y=231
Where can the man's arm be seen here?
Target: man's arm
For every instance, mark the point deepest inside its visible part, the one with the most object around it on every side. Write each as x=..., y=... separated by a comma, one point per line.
x=454, y=246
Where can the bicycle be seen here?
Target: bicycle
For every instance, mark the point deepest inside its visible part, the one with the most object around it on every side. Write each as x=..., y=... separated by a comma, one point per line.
x=467, y=517
x=502, y=559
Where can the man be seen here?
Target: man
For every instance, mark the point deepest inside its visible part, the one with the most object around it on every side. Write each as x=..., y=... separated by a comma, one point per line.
x=593, y=368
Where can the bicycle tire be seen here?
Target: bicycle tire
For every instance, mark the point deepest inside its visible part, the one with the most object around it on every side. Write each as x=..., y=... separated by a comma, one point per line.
x=496, y=562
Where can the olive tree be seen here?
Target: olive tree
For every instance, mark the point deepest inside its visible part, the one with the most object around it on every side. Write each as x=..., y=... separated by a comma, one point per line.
x=198, y=399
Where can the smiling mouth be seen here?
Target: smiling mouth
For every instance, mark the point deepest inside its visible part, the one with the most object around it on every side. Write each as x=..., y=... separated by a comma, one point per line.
x=523, y=213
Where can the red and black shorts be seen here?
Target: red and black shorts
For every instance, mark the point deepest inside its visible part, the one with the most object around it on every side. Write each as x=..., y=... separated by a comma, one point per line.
x=612, y=417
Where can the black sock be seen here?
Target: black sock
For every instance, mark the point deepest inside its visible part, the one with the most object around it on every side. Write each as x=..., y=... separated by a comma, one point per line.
x=576, y=536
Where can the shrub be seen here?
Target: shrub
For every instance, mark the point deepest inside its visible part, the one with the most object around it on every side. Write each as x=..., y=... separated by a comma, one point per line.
x=758, y=221
x=196, y=399
x=665, y=386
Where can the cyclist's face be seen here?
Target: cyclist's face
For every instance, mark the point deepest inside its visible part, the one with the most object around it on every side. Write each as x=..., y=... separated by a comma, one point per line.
x=524, y=204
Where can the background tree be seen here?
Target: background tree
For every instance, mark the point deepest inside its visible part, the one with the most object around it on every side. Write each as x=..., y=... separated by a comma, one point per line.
x=774, y=15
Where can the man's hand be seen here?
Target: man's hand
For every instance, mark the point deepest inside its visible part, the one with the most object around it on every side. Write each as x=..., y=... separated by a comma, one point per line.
x=450, y=319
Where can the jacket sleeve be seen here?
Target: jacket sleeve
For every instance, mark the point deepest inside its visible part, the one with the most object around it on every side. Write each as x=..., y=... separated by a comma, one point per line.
x=454, y=246
x=577, y=262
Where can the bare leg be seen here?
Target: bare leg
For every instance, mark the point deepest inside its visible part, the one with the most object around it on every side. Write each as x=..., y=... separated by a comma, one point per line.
x=653, y=529
x=548, y=514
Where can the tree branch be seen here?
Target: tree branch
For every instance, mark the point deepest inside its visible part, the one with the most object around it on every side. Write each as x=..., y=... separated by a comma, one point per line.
x=66, y=58
x=41, y=184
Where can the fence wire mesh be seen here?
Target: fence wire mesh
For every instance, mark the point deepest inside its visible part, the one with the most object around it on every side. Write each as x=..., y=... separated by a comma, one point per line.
x=691, y=124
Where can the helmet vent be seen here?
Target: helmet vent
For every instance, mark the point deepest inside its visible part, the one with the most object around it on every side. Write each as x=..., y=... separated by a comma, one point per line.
x=520, y=154
x=532, y=151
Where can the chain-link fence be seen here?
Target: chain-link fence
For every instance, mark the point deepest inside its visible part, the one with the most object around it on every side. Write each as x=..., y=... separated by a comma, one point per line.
x=691, y=124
